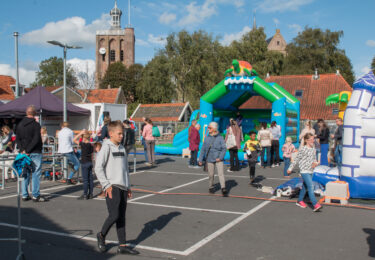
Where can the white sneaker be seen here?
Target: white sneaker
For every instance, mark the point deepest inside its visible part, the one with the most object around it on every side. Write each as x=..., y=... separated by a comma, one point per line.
x=273, y=166
x=229, y=170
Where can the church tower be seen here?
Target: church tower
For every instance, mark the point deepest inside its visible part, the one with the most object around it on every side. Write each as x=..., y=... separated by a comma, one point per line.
x=113, y=45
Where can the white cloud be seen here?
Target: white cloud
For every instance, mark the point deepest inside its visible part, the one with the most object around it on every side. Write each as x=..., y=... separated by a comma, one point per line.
x=295, y=27
x=196, y=14
x=26, y=76
x=72, y=30
x=85, y=72
x=365, y=70
x=167, y=18
x=229, y=38
x=160, y=40
x=271, y=6
x=276, y=21
x=141, y=42
x=370, y=43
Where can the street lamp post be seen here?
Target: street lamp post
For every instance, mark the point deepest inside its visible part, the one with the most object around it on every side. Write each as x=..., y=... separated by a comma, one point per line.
x=65, y=48
x=65, y=117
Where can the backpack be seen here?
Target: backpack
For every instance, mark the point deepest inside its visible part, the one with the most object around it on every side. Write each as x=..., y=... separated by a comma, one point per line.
x=155, y=131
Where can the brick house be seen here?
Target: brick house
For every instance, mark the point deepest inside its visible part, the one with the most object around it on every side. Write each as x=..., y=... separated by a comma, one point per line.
x=109, y=96
x=169, y=117
x=8, y=88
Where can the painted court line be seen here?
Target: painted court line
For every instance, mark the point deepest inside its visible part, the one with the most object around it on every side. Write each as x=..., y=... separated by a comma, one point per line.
x=53, y=188
x=174, y=188
x=188, y=208
x=156, y=249
x=225, y=228
x=203, y=174
x=156, y=205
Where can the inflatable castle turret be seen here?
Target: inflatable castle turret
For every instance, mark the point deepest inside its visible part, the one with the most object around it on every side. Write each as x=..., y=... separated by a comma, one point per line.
x=358, y=164
x=358, y=158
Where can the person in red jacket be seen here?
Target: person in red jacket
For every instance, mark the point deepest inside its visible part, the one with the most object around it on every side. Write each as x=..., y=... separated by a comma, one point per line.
x=194, y=141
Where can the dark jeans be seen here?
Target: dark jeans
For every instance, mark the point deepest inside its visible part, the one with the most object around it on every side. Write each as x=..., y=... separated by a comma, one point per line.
x=275, y=158
x=193, y=158
x=116, y=210
x=88, y=180
x=234, y=162
x=286, y=165
x=265, y=150
x=252, y=170
x=324, y=154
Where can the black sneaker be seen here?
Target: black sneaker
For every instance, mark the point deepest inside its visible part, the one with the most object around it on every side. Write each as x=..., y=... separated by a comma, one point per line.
x=101, y=242
x=127, y=250
x=26, y=198
x=82, y=197
x=224, y=191
x=40, y=199
x=89, y=196
x=211, y=190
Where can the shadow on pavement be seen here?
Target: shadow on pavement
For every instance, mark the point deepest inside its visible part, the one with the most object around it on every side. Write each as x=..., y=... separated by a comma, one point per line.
x=41, y=245
x=370, y=241
x=154, y=226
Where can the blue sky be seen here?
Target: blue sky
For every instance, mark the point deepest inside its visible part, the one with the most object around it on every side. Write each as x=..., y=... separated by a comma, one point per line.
x=76, y=22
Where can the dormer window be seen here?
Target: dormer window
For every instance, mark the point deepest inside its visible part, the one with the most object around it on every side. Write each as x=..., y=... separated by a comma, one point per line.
x=20, y=89
x=298, y=93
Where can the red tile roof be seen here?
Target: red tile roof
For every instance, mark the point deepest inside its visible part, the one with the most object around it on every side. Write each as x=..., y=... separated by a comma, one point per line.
x=6, y=92
x=159, y=112
x=101, y=95
x=314, y=94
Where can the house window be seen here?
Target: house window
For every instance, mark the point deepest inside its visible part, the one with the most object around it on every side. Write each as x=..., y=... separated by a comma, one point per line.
x=278, y=42
x=298, y=93
x=103, y=57
x=335, y=111
x=122, y=55
x=112, y=55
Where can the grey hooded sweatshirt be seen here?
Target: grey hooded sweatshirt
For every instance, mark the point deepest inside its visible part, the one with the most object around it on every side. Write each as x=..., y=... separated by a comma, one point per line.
x=111, y=166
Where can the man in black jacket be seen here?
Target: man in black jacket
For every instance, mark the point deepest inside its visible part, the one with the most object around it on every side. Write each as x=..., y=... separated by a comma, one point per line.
x=128, y=140
x=29, y=141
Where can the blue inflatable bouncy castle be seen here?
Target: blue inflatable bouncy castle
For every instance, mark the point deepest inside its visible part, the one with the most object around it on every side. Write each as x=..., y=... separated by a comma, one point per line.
x=358, y=164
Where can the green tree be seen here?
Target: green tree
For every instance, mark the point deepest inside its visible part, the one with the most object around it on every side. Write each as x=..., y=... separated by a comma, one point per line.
x=115, y=76
x=373, y=65
x=193, y=62
x=155, y=85
x=315, y=48
x=51, y=73
x=132, y=78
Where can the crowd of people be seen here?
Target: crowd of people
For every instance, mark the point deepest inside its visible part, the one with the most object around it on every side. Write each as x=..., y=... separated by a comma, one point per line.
x=107, y=155
x=314, y=150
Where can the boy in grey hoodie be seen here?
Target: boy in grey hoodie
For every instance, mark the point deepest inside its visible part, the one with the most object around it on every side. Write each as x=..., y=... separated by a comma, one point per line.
x=111, y=168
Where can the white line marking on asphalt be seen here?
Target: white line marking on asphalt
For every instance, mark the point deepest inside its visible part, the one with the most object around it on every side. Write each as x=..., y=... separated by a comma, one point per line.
x=52, y=188
x=225, y=228
x=157, y=205
x=203, y=174
x=187, y=208
x=174, y=188
x=162, y=250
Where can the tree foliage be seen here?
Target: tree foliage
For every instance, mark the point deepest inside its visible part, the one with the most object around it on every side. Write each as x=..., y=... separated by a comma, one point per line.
x=316, y=49
x=190, y=64
x=51, y=73
x=155, y=86
x=373, y=65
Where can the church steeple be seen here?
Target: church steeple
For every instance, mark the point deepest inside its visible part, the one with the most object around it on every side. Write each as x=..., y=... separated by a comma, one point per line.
x=254, y=22
x=116, y=17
